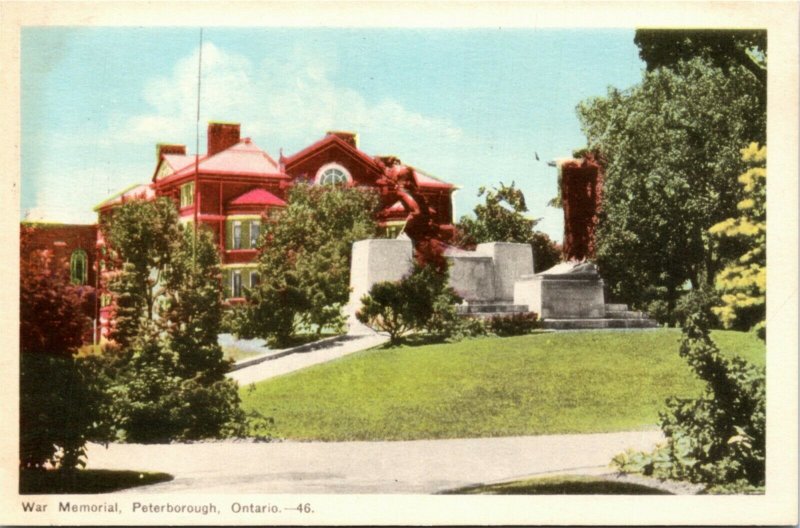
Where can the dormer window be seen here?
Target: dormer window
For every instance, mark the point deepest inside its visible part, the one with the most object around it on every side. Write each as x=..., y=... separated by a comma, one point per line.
x=333, y=174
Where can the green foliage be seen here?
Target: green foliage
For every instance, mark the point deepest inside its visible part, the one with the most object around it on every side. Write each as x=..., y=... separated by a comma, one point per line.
x=166, y=375
x=725, y=48
x=58, y=408
x=546, y=253
x=717, y=439
x=502, y=218
x=513, y=324
x=743, y=282
x=672, y=145
x=421, y=300
x=140, y=235
x=58, y=401
x=305, y=260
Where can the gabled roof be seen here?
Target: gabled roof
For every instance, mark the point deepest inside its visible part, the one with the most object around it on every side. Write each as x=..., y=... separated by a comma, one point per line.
x=426, y=180
x=258, y=197
x=134, y=192
x=244, y=158
x=330, y=139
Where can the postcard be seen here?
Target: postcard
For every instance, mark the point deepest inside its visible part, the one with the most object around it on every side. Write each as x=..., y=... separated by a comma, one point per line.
x=379, y=263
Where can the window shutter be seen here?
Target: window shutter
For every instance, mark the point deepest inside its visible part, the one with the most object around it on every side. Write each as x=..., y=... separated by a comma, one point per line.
x=246, y=234
x=228, y=234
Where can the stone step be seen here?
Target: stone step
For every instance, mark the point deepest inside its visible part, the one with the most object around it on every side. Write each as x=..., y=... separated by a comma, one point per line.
x=616, y=307
x=597, y=324
x=487, y=315
x=472, y=309
x=627, y=314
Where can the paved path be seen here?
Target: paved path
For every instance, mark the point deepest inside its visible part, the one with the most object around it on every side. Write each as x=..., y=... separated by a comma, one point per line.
x=329, y=350
x=422, y=466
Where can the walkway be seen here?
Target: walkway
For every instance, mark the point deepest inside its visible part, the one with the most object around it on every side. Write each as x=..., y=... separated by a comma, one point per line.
x=304, y=356
x=421, y=466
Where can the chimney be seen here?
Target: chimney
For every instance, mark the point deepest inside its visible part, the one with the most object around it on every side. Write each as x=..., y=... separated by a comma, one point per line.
x=350, y=138
x=169, y=148
x=221, y=136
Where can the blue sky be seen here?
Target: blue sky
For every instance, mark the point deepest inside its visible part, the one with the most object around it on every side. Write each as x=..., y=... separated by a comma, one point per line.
x=471, y=106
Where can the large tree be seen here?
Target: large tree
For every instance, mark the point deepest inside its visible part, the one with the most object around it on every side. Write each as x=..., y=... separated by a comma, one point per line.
x=141, y=235
x=168, y=381
x=502, y=218
x=724, y=48
x=304, y=263
x=672, y=148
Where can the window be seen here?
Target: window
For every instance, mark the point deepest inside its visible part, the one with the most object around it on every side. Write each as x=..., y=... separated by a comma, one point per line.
x=187, y=194
x=237, y=235
x=333, y=174
x=236, y=280
x=255, y=228
x=255, y=279
x=77, y=267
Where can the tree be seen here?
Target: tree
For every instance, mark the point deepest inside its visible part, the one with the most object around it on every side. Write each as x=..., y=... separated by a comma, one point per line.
x=502, y=218
x=58, y=404
x=743, y=281
x=140, y=234
x=725, y=48
x=672, y=145
x=304, y=263
x=421, y=300
x=168, y=381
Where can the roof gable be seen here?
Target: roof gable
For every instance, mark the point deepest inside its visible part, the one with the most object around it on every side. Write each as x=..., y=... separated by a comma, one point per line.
x=258, y=196
x=330, y=141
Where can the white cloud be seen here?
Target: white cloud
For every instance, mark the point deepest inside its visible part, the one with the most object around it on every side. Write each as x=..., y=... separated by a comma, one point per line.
x=290, y=102
x=287, y=102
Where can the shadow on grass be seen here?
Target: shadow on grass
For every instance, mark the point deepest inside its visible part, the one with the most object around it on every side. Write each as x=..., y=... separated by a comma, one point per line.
x=85, y=481
x=567, y=485
x=416, y=340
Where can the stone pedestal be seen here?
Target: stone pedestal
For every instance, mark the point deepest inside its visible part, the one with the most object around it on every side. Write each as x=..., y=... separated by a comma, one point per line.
x=566, y=291
x=375, y=260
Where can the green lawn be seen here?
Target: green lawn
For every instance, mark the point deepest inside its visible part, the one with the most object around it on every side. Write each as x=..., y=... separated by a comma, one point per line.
x=570, y=382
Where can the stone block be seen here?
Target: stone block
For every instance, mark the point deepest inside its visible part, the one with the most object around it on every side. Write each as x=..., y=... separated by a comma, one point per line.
x=472, y=277
x=373, y=261
x=569, y=291
x=511, y=262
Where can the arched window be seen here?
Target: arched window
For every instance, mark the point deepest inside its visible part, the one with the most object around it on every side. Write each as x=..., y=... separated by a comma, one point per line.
x=333, y=174
x=77, y=267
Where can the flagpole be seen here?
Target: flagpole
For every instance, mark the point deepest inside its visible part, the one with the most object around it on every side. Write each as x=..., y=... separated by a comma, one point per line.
x=197, y=149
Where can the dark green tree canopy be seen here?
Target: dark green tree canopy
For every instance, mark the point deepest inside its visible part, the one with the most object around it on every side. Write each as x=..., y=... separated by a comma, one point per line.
x=672, y=146
x=722, y=47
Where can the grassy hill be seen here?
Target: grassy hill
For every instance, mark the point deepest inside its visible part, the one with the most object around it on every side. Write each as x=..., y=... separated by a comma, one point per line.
x=571, y=382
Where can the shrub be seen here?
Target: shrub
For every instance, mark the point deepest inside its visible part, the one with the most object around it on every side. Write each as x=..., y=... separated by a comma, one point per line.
x=420, y=301
x=513, y=324
x=719, y=438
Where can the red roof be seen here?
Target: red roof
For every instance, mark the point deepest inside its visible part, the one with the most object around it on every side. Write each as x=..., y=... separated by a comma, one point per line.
x=243, y=158
x=426, y=180
x=258, y=197
x=328, y=140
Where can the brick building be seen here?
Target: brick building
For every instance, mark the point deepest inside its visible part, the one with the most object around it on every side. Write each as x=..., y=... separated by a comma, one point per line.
x=236, y=186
